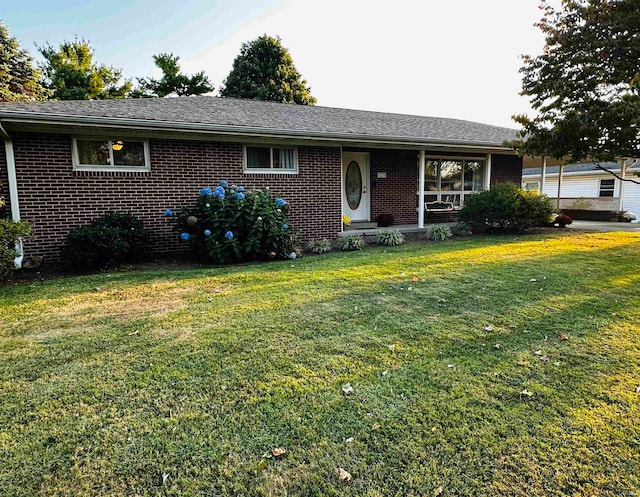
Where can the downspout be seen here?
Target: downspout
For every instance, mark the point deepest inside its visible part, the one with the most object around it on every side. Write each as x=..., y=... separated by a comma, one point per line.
x=13, y=190
x=421, y=168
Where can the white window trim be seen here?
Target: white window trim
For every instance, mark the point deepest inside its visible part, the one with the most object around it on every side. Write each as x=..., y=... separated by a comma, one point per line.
x=110, y=168
x=462, y=193
x=250, y=170
x=607, y=189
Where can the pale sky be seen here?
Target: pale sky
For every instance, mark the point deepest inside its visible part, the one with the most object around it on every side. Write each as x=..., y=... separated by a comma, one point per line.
x=443, y=58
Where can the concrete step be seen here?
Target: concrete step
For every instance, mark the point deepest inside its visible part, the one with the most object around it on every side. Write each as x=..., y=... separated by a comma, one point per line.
x=361, y=225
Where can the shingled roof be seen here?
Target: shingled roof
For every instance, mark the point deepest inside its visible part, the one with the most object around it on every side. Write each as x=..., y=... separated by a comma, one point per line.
x=584, y=168
x=252, y=117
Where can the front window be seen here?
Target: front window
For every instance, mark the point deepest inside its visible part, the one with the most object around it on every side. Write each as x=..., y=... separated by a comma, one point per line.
x=451, y=179
x=607, y=187
x=531, y=185
x=110, y=155
x=270, y=159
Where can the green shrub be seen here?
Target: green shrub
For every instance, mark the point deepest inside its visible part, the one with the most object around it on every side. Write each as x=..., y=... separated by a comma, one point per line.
x=390, y=238
x=438, y=233
x=506, y=207
x=350, y=242
x=111, y=239
x=228, y=224
x=319, y=246
x=461, y=229
x=10, y=233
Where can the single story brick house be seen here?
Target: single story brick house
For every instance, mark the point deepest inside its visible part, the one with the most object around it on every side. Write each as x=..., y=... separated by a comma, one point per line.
x=65, y=163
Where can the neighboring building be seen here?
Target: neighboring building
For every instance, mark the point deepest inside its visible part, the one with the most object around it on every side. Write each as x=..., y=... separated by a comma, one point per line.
x=585, y=187
x=65, y=163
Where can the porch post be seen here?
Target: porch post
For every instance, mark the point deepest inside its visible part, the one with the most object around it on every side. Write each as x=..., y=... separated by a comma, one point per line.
x=421, y=166
x=559, y=185
x=623, y=171
x=543, y=173
x=487, y=174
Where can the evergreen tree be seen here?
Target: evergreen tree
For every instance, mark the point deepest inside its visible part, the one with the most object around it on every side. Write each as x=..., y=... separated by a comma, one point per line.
x=19, y=79
x=173, y=82
x=264, y=70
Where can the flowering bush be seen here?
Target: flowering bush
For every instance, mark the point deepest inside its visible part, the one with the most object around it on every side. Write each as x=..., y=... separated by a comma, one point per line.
x=229, y=224
x=629, y=216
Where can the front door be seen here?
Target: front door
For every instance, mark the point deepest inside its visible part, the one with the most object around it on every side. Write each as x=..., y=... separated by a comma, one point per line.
x=355, y=185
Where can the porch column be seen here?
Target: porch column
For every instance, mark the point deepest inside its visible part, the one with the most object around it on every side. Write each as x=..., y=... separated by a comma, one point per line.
x=623, y=171
x=487, y=174
x=543, y=173
x=559, y=185
x=421, y=166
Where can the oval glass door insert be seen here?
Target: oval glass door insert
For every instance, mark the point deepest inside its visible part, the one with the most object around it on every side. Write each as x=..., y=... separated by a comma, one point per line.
x=353, y=185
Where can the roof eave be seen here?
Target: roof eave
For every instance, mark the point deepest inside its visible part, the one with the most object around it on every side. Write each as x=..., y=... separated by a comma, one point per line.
x=232, y=130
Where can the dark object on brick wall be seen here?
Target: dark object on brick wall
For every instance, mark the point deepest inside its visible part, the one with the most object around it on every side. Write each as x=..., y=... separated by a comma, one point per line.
x=385, y=220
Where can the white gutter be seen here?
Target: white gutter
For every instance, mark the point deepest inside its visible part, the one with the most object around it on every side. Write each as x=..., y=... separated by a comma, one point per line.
x=13, y=190
x=594, y=172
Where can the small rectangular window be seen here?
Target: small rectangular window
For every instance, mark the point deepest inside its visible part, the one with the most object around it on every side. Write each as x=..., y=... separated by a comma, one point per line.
x=607, y=187
x=259, y=158
x=110, y=155
x=530, y=186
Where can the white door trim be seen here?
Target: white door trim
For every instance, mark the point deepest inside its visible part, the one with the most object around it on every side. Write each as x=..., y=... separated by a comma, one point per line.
x=362, y=158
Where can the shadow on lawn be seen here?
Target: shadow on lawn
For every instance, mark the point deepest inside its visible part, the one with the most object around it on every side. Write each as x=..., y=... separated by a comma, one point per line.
x=282, y=377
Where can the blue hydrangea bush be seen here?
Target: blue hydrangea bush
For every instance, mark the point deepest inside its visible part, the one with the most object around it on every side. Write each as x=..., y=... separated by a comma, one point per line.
x=230, y=224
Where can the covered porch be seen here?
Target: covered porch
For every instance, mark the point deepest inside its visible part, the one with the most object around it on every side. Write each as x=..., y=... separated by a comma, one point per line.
x=416, y=188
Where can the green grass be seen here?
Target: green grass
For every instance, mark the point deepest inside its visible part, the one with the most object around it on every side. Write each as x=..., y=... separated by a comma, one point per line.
x=229, y=363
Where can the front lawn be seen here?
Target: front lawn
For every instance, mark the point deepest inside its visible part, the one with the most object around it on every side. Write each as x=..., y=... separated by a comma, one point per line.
x=486, y=367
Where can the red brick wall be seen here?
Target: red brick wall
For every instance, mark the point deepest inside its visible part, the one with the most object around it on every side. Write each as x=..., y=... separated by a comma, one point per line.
x=56, y=199
x=505, y=168
x=395, y=194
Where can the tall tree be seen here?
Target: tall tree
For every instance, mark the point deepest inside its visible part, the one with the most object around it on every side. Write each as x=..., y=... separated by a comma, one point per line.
x=173, y=82
x=586, y=84
x=264, y=70
x=72, y=75
x=19, y=79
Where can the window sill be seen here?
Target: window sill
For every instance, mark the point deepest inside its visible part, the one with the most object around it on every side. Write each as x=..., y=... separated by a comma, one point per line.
x=270, y=171
x=112, y=169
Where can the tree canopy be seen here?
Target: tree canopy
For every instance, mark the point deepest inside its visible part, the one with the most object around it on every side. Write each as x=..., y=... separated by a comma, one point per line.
x=264, y=70
x=71, y=73
x=172, y=82
x=19, y=78
x=585, y=86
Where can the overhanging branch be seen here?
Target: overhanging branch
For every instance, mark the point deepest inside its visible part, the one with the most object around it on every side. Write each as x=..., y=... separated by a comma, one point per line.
x=612, y=173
